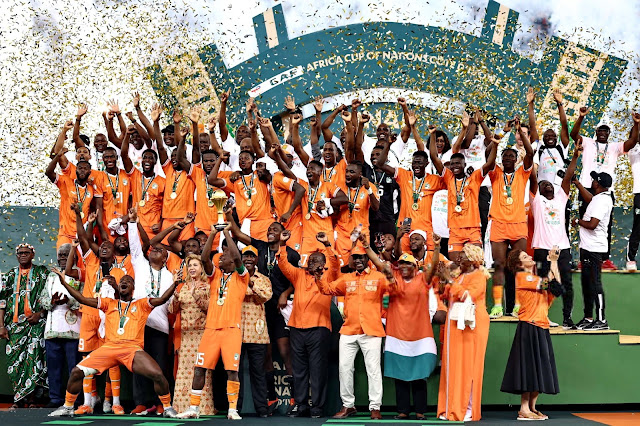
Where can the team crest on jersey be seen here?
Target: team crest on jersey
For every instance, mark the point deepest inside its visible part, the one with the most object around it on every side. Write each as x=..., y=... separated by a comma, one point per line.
x=529, y=278
x=125, y=181
x=285, y=179
x=388, y=179
x=362, y=196
x=236, y=356
x=154, y=185
x=134, y=309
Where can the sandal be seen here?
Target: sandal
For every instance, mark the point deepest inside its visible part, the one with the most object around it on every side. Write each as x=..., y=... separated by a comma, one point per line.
x=401, y=416
x=528, y=416
x=539, y=414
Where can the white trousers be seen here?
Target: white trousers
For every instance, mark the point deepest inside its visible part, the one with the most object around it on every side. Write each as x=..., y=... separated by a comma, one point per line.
x=371, y=347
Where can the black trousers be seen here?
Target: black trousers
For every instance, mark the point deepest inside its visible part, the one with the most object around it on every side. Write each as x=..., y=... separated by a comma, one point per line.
x=156, y=344
x=309, y=359
x=592, y=284
x=255, y=353
x=484, y=200
x=582, y=207
x=634, y=238
x=404, y=390
x=564, y=265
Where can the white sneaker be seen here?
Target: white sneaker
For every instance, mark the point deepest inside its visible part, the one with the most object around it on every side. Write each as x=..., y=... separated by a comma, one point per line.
x=106, y=406
x=552, y=324
x=631, y=266
x=191, y=413
x=233, y=415
x=170, y=413
x=63, y=411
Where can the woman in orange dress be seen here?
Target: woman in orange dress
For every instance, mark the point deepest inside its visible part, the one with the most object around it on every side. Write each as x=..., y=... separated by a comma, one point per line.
x=463, y=351
x=193, y=316
x=531, y=368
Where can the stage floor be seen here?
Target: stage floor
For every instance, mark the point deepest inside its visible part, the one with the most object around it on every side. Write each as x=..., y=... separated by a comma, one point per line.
x=31, y=417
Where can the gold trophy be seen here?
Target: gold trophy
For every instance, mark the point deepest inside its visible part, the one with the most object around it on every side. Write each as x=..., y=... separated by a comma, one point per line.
x=219, y=199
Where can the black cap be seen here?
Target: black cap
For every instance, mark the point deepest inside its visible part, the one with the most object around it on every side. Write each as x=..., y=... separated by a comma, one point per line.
x=168, y=129
x=603, y=179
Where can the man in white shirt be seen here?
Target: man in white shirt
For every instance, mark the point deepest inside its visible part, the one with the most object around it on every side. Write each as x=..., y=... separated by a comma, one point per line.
x=152, y=279
x=594, y=233
x=549, y=215
x=601, y=156
x=634, y=237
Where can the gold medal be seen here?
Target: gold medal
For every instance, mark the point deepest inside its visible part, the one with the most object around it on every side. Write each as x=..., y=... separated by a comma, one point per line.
x=210, y=203
x=121, y=331
x=220, y=301
x=142, y=203
x=414, y=206
x=249, y=202
x=509, y=201
x=307, y=216
x=458, y=209
x=173, y=195
x=81, y=215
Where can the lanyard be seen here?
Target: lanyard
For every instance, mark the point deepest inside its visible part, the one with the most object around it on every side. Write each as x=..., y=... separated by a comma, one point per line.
x=121, y=264
x=222, y=291
x=460, y=192
x=247, y=189
x=145, y=188
x=155, y=286
x=16, y=294
x=375, y=178
x=507, y=183
x=176, y=179
x=84, y=197
x=601, y=156
x=271, y=263
x=332, y=172
x=352, y=202
x=123, y=316
x=416, y=194
x=312, y=197
x=114, y=188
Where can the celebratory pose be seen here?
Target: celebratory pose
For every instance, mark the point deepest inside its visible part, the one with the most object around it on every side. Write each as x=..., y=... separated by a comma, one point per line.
x=531, y=368
x=124, y=325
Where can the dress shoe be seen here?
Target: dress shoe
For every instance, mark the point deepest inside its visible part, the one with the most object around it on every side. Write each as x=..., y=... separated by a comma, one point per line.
x=345, y=412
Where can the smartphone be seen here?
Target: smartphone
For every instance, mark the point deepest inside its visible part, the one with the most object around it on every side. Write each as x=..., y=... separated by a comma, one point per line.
x=406, y=221
x=106, y=268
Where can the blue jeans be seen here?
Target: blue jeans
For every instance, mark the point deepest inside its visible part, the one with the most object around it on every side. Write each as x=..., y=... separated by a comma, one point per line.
x=60, y=351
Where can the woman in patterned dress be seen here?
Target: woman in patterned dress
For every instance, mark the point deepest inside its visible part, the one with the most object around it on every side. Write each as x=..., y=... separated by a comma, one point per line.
x=193, y=316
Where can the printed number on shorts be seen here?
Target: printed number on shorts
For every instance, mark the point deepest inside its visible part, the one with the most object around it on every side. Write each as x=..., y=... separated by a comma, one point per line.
x=200, y=358
x=81, y=345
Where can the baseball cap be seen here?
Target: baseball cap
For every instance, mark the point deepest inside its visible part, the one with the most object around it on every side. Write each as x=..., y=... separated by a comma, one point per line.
x=288, y=149
x=603, y=179
x=406, y=257
x=359, y=250
x=168, y=129
x=250, y=249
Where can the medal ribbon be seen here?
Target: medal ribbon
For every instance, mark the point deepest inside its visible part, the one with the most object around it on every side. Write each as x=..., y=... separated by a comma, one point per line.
x=114, y=188
x=145, y=188
x=123, y=317
x=332, y=172
x=16, y=294
x=247, y=189
x=312, y=198
x=507, y=184
x=416, y=194
x=176, y=179
x=84, y=197
x=155, y=287
x=271, y=263
x=460, y=192
x=352, y=202
x=222, y=291
x=600, y=160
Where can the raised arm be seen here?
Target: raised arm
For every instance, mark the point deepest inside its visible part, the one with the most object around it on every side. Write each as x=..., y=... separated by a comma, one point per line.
x=148, y=126
x=327, y=134
x=92, y=302
x=213, y=142
x=464, y=130
x=141, y=130
x=586, y=195
x=124, y=151
x=50, y=172
x=213, y=178
x=571, y=170
x=255, y=140
x=194, y=116
x=433, y=150
x=434, y=259
x=62, y=137
x=233, y=248
x=83, y=239
x=564, y=125
x=382, y=160
x=207, y=264
x=82, y=110
x=633, y=139
x=181, y=154
x=491, y=158
x=160, y=236
x=222, y=115
x=274, y=154
x=349, y=148
x=531, y=99
x=527, y=162
x=157, y=301
x=156, y=113
x=294, y=129
x=235, y=229
x=575, y=131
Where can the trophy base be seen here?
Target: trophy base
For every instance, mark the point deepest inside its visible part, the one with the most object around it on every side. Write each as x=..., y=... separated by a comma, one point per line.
x=220, y=226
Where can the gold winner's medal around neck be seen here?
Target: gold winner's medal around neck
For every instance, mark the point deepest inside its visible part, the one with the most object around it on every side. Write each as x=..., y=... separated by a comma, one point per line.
x=414, y=206
x=210, y=203
x=458, y=209
x=249, y=202
x=509, y=201
x=142, y=203
x=307, y=216
x=173, y=196
x=221, y=301
x=121, y=331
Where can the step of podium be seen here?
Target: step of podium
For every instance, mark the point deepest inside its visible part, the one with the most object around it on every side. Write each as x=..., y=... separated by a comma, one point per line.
x=560, y=331
x=626, y=339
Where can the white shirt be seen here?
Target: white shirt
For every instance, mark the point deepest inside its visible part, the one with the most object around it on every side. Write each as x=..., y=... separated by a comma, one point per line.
x=396, y=151
x=549, y=162
x=474, y=156
x=145, y=276
x=600, y=207
x=634, y=159
x=599, y=157
x=231, y=146
x=549, y=220
x=61, y=319
x=445, y=158
x=439, y=207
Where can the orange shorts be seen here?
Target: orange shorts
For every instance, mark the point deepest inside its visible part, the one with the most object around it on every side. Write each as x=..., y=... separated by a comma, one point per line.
x=310, y=245
x=406, y=247
x=225, y=342
x=89, y=338
x=188, y=232
x=501, y=232
x=260, y=227
x=106, y=357
x=458, y=237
